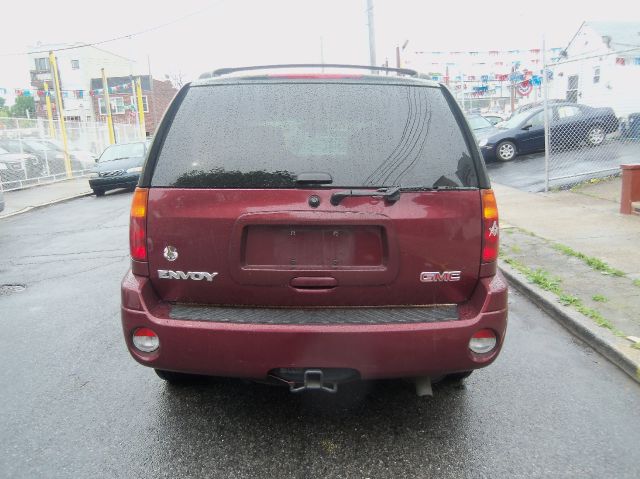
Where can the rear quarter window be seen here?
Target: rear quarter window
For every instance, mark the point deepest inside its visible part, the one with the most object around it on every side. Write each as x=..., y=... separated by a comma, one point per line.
x=262, y=135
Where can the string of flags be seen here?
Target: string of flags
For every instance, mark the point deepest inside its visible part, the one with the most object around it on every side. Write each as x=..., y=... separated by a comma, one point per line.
x=79, y=94
x=533, y=51
x=516, y=77
x=535, y=61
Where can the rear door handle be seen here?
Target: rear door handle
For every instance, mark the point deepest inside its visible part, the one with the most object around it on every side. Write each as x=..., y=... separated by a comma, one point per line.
x=314, y=282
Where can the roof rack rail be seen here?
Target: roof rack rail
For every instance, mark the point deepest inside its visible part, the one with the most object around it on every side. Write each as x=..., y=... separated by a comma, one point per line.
x=224, y=71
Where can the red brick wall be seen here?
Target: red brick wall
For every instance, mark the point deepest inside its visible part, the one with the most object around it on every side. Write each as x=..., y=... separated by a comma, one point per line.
x=157, y=102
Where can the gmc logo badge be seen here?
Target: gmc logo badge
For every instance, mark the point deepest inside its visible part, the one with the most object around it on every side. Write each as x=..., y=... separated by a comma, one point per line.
x=437, y=277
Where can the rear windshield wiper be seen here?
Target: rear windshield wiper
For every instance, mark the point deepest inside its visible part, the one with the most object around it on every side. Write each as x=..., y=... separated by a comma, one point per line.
x=437, y=188
x=116, y=159
x=390, y=194
x=313, y=178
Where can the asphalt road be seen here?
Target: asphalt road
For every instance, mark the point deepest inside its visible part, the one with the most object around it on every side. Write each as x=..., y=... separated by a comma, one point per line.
x=74, y=404
x=527, y=172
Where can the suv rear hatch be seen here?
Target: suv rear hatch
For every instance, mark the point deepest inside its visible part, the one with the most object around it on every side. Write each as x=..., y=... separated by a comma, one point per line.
x=327, y=192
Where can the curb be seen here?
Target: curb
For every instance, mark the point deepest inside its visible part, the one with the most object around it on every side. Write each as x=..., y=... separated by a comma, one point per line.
x=616, y=350
x=42, y=205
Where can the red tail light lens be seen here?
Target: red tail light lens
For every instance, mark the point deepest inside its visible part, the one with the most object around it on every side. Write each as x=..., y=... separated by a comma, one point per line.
x=483, y=341
x=145, y=340
x=490, y=227
x=138, y=225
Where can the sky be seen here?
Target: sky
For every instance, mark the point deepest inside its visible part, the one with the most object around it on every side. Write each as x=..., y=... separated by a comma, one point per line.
x=206, y=35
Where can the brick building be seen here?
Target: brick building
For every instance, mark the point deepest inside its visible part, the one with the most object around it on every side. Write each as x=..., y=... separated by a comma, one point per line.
x=156, y=96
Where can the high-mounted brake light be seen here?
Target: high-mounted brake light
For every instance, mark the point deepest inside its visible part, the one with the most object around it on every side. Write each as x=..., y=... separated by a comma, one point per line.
x=314, y=75
x=490, y=227
x=138, y=225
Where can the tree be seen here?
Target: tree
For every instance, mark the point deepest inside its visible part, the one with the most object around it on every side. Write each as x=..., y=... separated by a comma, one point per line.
x=23, y=103
x=176, y=78
x=4, y=111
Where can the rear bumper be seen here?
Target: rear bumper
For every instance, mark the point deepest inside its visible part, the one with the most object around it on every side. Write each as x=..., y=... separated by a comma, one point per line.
x=113, y=182
x=375, y=351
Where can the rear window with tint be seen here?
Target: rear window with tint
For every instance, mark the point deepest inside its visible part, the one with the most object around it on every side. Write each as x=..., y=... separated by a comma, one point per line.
x=263, y=135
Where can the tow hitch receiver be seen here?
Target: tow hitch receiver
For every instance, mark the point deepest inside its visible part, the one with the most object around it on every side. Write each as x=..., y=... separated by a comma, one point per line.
x=314, y=379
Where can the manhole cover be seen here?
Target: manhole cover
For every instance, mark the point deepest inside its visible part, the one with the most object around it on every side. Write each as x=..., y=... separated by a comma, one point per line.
x=6, y=289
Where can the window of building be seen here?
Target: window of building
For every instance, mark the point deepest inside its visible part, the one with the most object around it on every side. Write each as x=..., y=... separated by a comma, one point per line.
x=145, y=104
x=117, y=105
x=572, y=88
x=75, y=64
x=42, y=64
x=596, y=74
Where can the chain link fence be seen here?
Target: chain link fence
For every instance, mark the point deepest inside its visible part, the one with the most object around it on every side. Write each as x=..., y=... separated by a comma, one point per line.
x=32, y=152
x=593, y=111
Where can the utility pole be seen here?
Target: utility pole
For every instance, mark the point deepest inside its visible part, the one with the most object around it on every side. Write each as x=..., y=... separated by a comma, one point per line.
x=143, y=128
x=398, y=50
x=545, y=102
x=105, y=88
x=513, y=89
x=63, y=128
x=47, y=100
x=372, y=34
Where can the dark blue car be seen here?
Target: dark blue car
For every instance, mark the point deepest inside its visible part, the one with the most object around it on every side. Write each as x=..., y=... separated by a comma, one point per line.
x=570, y=125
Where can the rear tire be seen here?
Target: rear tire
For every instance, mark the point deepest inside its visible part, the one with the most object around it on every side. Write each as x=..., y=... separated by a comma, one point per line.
x=596, y=136
x=458, y=376
x=506, y=151
x=99, y=192
x=175, y=378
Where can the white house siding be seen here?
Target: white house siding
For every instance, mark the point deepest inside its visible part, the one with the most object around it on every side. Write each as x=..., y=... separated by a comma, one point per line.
x=617, y=86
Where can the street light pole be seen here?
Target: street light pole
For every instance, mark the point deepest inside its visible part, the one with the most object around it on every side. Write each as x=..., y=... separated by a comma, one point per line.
x=372, y=34
x=398, y=50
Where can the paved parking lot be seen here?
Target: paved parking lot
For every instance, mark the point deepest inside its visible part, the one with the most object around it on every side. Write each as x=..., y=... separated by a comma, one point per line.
x=74, y=404
x=527, y=172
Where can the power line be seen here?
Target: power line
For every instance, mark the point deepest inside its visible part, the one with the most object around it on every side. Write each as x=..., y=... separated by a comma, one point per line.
x=579, y=59
x=121, y=37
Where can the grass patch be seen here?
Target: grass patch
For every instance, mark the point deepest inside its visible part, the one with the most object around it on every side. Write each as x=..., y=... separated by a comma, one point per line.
x=636, y=282
x=516, y=249
x=552, y=284
x=568, y=300
x=592, y=181
x=539, y=276
x=543, y=279
x=635, y=345
x=590, y=261
x=598, y=298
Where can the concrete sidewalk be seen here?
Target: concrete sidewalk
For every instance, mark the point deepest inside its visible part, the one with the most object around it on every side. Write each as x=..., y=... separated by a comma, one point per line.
x=578, y=258
x=20, y=201
x=586, y=219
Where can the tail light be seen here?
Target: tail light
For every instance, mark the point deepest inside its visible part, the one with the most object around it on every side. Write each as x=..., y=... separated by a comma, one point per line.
x=490, y=227
x=138, y=225
x=483, y=341
x=145, y=340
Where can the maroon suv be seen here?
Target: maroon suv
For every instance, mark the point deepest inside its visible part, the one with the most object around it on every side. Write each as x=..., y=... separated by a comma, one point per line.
x=312, y=229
